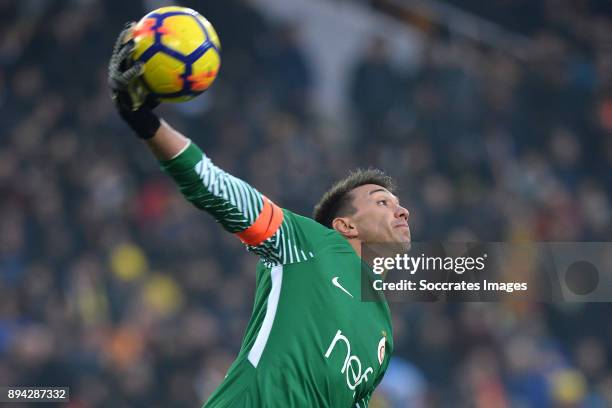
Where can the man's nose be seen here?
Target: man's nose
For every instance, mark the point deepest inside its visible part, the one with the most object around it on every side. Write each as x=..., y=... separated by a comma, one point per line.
x=402, y=212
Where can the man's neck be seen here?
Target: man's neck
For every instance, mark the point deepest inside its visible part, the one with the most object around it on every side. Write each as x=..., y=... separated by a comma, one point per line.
x=356, y=244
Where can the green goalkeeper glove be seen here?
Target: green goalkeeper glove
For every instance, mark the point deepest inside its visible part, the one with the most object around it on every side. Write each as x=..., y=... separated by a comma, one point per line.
x=129, y=95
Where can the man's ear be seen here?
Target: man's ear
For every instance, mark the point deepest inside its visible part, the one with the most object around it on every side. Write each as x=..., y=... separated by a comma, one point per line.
x=345, y=226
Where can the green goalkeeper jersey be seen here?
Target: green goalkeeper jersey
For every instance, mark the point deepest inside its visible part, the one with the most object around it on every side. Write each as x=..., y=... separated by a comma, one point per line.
x=311, y=341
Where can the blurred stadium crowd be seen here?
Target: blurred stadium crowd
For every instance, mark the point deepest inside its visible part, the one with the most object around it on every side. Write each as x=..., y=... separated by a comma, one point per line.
x=113, y=285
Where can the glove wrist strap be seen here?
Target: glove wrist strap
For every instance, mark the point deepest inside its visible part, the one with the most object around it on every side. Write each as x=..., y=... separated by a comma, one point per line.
x=142, y=121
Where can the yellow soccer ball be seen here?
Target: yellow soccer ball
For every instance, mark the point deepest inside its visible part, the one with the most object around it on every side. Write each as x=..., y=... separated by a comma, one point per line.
x=180, y=51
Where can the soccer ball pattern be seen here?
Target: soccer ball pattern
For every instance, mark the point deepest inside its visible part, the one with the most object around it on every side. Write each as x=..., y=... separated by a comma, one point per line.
x=180, y=50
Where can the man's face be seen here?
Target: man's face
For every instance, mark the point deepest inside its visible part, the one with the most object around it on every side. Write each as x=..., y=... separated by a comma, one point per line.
x=379, y=217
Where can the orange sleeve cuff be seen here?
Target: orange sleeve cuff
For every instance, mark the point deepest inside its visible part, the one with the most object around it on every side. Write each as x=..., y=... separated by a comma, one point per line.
x=267, y=223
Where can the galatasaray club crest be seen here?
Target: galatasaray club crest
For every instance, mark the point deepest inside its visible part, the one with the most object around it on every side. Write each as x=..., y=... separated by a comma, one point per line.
x=381, y=350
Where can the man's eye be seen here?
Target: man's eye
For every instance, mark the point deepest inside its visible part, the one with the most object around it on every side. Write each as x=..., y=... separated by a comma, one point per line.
x=384, y=202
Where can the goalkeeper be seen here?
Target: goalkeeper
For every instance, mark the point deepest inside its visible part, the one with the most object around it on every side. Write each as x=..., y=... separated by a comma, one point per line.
x=310, y=341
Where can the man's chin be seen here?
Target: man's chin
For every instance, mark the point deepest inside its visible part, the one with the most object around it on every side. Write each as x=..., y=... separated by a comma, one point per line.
x=403, y=244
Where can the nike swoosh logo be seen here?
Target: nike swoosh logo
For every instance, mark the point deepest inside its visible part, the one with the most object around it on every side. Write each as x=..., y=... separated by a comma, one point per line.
x=339, y=286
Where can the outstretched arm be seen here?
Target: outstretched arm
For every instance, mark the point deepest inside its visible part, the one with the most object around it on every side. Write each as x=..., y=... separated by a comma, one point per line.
x=239, y=208
x=259, y=223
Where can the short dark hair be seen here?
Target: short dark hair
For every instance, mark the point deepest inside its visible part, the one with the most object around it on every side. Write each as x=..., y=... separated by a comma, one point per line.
x=338, y=200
